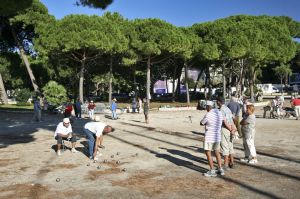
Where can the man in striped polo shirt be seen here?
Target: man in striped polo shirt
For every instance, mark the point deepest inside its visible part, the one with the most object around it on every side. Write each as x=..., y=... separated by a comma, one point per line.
x=213, y=123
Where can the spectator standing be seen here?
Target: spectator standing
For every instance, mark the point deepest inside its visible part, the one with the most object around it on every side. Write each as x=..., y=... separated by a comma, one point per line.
x=146, y=110
x=68, y=109
x=227, y=134
x=91, y=108
x=234, y=106
x=248, y=128
x=134, y=105
x=296, y=104
x=213, y=125
x=113, y=108
x=78, y=104
x=37, y=109
x=139, y=105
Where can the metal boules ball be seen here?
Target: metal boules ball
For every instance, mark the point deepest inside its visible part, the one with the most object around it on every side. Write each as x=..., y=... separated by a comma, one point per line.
x=118, y=153
x=123, y=170
x=57, y=179
x=118, y=162
x=112, y=156
x=104, y=161
x=95, y=161
x=98, y=167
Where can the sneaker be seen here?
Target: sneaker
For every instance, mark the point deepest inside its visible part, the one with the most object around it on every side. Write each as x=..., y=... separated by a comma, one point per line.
x=101, y=146
x=221, y=172
x=210, y=173
x=244, y=159
x=58, y=153
x=253, y=161
x=95, y=159
x=74, y=150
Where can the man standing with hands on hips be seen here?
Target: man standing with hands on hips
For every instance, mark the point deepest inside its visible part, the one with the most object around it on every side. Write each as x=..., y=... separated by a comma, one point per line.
x=95, y=132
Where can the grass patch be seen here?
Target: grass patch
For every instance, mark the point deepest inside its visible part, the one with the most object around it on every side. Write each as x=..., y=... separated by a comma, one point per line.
x=15, y=107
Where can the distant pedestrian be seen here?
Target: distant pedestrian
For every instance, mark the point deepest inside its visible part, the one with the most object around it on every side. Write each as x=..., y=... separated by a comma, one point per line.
x=91, y=108
x=78, y=104
x=296, y=104
x=134, y=105
x=139, y=105
x=146, y=110
x=248, y=128
x=37, y=109
x=113, y=108
x=213, y=125
x=68, y=109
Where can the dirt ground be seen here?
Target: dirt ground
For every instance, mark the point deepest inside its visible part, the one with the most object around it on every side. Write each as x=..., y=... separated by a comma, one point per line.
x=163, y=159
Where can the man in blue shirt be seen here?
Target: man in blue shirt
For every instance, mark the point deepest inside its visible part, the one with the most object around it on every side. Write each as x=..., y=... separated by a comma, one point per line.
x=114, y=109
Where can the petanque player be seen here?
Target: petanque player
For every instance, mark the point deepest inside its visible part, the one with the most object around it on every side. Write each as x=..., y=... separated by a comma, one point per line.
x=95, y=132
x=227, y=134
x=213, y=123
x=64, y=132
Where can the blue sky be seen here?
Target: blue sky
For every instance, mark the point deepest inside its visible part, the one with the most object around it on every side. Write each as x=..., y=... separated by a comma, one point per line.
x=182, y=12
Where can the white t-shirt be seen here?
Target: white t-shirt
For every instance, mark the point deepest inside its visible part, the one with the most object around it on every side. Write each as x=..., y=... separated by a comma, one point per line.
x=61, y=129
x=95, y=127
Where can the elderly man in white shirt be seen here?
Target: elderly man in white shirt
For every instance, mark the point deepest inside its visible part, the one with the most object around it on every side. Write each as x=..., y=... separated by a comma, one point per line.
x=64, y=132
x=95, y=132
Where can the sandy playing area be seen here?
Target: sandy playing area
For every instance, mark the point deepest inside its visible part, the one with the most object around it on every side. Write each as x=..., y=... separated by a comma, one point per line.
x=163, y=159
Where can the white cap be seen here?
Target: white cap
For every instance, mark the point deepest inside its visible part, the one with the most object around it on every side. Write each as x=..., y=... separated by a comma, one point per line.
x=66, y=120
x=209, y=103
x=97, y=118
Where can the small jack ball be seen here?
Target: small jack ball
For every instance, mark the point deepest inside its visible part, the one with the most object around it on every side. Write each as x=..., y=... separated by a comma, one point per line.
x=57, y=179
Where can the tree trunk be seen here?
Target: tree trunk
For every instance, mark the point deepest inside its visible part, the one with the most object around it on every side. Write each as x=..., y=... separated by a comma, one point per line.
x=81, y=79
x=186, y=84
x=240, y=78
x=173, y=85
x=148, y=79
x=251, y=83
x=26, y=62
x=230, y=82
x=281, y=85
x=3, y=94
x=110, y=80
x=224, y=81
x=197, y=82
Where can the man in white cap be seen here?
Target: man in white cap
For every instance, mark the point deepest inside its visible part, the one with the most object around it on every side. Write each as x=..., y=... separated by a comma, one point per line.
x=95, y=132
x=213, y=124
x=64, y=132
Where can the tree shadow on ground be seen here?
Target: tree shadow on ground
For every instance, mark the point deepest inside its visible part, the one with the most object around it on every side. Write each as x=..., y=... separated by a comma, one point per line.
x=19, y=128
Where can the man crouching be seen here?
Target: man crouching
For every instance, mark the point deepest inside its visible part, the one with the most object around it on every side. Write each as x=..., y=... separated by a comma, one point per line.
x=64, y=132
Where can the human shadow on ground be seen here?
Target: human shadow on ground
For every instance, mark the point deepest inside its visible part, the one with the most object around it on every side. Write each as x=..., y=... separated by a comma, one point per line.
x=260, y=152
x=190, y=165
x=198, y=133
x=185, y=155
x=156, y=130
x=273, y=171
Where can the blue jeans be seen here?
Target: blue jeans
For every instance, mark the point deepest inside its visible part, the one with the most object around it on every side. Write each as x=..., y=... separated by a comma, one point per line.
x=114, y=115
x=91, y=141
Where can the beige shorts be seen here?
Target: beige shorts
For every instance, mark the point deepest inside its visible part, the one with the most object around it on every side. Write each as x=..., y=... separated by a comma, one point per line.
x=211, y=146
x=226, y=142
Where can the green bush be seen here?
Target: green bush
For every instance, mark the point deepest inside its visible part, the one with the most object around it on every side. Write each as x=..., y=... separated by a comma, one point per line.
x=22, y=95
x=55, y=93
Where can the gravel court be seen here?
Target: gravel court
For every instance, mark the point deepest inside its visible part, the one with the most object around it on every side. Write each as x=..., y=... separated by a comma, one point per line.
x=169, y=164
